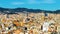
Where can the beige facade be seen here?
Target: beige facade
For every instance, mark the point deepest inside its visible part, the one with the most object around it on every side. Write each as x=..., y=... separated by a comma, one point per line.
x=33, y=23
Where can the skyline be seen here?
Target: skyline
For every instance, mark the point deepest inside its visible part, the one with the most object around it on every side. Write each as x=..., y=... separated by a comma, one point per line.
x=32, y=4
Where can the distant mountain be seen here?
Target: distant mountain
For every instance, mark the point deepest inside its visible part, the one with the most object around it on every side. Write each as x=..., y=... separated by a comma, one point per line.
x=17, y=10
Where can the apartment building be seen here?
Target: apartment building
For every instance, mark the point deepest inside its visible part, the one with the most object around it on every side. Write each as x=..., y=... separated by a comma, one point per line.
x=31, y=23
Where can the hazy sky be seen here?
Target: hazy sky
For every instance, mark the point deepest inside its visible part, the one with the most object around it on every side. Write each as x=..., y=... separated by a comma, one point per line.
x=35, y=4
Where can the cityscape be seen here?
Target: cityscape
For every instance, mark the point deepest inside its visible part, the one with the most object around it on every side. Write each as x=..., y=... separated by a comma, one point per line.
x=29, y=16
x=29, y=22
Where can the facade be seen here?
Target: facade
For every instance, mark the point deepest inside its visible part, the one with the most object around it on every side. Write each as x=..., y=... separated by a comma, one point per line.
x=31, y=23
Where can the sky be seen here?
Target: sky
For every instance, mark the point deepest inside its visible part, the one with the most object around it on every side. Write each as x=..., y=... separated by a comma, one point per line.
x=31, y=4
